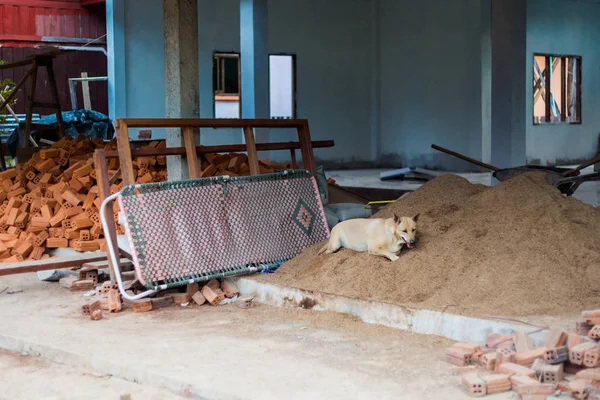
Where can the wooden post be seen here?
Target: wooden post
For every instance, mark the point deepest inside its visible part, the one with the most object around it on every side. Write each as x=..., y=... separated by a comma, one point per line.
x=30, y=105
x=103, y=193
x=251, y=149
x=190, y=152
x=308, y=158
x=54, y=91
x=85, y=89
x=124, y=148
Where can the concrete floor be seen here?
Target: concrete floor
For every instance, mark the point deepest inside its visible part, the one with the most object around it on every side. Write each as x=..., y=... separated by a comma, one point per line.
x=588, y=192
x=217, y=352
x=32, y=378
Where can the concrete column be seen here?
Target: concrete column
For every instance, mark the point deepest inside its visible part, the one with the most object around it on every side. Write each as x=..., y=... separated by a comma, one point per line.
x=180, y=20
x=509, y=80
x=254, y=41
x=115, y=44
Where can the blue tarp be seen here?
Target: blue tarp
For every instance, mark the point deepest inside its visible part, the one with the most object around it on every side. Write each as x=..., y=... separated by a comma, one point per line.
x=91, y=124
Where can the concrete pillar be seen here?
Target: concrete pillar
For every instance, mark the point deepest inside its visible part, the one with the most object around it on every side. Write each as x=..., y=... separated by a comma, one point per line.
x=180, y=21
x=115, y=45
x=254, y=46
x=509, y=80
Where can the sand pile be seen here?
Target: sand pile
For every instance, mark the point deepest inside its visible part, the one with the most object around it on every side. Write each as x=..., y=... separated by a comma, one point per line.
x=519, y=248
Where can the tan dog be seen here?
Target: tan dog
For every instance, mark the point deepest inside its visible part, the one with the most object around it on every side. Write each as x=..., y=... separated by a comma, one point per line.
x=379, y=236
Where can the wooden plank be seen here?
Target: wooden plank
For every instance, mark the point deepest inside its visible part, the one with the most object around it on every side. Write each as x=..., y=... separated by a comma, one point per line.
x=55, y=96
x=103, y=184
x=49, y=264
x=308, y=157
x=229, y=148
x=85, y=89
x=122, y=135
x=293, y=157
x=251, y=149
x=210, y=123
x=190, y=152
x=30, y=105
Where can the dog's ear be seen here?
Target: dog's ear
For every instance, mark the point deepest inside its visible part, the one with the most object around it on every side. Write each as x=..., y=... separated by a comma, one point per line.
x=396, y=219
x=415, y=218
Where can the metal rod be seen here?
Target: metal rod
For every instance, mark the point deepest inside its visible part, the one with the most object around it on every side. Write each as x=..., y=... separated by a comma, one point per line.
x=112, y=254
x=465, y=158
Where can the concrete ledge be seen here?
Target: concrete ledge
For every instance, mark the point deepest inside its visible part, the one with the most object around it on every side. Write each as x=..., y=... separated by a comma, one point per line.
x=451, y=326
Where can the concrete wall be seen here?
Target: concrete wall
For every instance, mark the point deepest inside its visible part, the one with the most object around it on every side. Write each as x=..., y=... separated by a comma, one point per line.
x=384, y=78
x=145, y=65
x=565, y=27
x=430, y=81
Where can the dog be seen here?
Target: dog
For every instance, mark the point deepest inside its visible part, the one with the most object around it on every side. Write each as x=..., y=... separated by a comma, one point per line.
x=378, y=236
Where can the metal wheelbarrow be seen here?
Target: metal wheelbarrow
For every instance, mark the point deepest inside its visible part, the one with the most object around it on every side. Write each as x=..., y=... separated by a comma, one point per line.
x=564, y=179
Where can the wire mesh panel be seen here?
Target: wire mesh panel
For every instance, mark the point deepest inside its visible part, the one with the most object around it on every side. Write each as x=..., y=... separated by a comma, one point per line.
x=205, y=228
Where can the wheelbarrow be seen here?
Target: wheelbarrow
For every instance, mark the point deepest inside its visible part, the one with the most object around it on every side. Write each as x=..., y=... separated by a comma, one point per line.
x=564, y=179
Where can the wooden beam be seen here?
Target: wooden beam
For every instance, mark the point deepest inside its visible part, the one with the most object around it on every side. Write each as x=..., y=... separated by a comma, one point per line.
x=122, y=135
x=251, y=149
x=210, y=123
x=227, y=148
x=190, y=152
x=49, y=264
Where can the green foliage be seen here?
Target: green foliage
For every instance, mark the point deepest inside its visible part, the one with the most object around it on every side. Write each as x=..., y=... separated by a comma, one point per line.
x=7, y=86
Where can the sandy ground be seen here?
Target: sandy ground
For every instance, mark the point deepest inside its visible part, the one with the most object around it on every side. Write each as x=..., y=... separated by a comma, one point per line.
x=219, y=352
x=32, y=378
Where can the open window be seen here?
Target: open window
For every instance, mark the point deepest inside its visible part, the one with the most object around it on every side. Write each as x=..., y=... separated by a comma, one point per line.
x=556, y=89
x=282, y=86
x=227, y=83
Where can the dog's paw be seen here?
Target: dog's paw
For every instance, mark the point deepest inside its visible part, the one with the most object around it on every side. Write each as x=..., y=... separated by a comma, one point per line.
x=394, y=258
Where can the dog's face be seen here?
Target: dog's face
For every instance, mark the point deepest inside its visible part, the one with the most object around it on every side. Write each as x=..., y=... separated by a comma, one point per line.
x=406, y=229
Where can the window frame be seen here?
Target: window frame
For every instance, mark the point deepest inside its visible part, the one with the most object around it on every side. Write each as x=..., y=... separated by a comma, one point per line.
x=234, y=54
x=563, y=89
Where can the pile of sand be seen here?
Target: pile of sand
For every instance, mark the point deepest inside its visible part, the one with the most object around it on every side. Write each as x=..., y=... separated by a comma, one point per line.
x=519, y=248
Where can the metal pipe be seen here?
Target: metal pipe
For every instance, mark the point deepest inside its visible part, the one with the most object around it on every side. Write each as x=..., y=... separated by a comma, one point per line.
x=115, y=260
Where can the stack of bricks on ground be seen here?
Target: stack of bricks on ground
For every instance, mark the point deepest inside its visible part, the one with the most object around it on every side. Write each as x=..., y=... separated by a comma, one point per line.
x=568, y=362
x=51, y=201
x=212, y=292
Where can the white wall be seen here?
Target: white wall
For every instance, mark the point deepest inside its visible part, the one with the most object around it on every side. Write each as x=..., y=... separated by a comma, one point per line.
x=573, y=28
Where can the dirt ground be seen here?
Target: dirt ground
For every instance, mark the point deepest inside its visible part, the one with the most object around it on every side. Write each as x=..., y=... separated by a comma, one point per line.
x=212, y=352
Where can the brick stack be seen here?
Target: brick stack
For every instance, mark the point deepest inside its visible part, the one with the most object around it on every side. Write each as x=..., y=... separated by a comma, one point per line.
x=567, y=362
x=51, y=201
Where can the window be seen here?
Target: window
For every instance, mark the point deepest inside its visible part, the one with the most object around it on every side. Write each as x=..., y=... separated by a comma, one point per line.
x=227, y=85
x=282, y=86
x=556, y=89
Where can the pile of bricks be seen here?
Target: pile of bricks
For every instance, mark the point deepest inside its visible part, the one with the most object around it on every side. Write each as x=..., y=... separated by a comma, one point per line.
x=235, y=164
x=567, y=362
x=51, y=201
x=108, y=297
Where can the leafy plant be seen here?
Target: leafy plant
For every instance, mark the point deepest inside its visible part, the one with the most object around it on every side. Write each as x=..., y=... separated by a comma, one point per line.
x=7, y=86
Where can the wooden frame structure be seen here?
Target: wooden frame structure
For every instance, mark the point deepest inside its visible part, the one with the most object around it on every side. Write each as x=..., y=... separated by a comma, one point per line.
x=45, y=60
x=187, y=127
x=191, y=151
